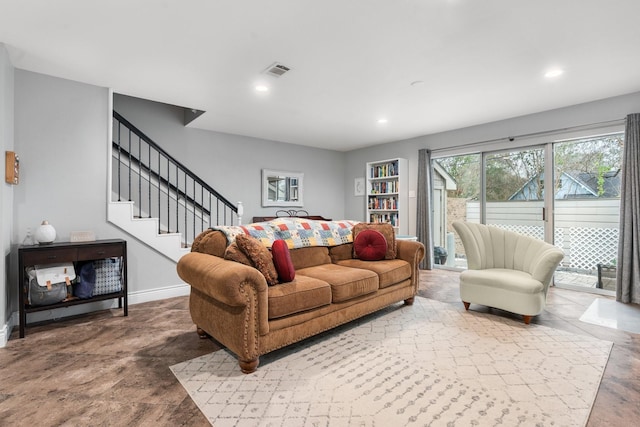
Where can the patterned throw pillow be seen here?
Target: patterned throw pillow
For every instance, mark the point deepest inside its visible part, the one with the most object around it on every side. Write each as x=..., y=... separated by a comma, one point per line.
x=370, y=245
x=386, y=230
x=282, y=260
x=260, y=257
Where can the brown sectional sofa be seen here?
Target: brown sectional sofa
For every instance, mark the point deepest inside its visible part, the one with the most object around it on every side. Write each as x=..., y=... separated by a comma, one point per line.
x=232, y=303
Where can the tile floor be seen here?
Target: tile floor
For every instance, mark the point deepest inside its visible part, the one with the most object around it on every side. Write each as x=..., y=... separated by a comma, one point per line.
x=103, y=369
x=613, y=314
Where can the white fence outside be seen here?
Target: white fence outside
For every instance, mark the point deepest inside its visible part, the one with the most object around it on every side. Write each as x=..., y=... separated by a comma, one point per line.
x=587, y=230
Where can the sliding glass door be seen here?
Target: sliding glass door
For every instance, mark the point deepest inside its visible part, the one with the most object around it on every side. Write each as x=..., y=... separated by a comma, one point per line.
x=587, y=211
x=456, y=193
x=514, y=191
x=577, y=180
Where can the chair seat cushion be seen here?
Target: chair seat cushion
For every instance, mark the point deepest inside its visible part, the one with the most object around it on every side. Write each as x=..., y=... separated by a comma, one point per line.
x=502, y=278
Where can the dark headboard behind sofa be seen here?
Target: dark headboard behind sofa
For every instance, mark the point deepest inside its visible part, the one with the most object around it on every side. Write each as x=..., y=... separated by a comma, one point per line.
x=290, y=213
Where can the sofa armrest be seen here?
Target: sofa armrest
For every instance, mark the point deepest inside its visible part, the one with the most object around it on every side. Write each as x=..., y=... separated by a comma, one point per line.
x=410, y=251
x=221, y=279
x=545, y=264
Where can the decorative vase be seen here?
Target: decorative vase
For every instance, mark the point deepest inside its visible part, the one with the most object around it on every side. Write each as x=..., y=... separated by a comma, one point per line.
x=45, y=234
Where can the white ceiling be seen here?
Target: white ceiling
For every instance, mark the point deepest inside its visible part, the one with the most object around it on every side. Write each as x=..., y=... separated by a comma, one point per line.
x=352, y=61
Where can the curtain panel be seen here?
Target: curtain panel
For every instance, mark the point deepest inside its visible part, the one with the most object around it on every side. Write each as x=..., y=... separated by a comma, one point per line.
x=425, y=207
x=628, y=272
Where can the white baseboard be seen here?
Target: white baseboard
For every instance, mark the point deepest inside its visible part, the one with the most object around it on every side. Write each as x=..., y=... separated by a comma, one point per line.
x=5, y=332
x=4, y=335
x=158, y=294
x=134, y=298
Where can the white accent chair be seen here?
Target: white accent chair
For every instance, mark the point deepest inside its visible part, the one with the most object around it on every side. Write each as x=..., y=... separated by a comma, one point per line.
x=506, y=270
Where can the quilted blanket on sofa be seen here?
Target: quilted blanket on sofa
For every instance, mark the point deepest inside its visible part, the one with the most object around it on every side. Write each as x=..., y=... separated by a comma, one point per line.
x=297, y=232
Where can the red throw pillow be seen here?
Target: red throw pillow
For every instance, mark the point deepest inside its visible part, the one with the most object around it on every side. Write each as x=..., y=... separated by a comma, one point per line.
x=384, y=228
x=370, y=245
x=282, y=260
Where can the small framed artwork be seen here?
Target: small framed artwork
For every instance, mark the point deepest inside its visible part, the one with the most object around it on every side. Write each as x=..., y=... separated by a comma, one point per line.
x=359, y=186
x=12, y=168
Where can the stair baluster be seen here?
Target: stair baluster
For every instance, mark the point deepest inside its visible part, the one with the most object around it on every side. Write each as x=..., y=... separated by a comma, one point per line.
x=171, y=192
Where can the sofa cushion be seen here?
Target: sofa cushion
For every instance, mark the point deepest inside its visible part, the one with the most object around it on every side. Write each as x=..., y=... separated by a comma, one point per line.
x=346, y=282
x=260, y=257
x=370, y=245
x=389, y=271
x=386, y=230
x=210, y=242
x=282, y=261
x=309, y=257
x=340, y=252
x=233, y=253
x=303, y=293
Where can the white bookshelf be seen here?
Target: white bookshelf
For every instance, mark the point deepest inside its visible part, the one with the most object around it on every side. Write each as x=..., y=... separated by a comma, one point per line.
x=387, y=197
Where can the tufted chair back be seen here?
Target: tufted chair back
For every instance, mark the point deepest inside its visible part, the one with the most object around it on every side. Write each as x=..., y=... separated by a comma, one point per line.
x=491, y=247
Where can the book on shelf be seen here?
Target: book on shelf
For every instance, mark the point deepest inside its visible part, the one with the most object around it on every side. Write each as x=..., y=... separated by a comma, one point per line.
x=384, y=187
x=388, y=218
x=385, y=201
x=384, y=170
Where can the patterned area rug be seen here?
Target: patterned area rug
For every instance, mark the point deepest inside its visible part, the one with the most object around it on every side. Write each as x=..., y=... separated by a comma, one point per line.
x=430, y=364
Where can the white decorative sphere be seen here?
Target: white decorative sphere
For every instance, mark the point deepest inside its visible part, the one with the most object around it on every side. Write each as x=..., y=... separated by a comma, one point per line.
x=45, y=233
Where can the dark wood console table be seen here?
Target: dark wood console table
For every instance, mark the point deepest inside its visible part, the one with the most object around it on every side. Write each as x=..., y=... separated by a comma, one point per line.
x=69, y=252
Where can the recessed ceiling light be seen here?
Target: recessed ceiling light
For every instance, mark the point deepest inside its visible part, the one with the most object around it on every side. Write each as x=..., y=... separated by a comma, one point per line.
x=553, y=73
x=262, y=88
x=381, y=121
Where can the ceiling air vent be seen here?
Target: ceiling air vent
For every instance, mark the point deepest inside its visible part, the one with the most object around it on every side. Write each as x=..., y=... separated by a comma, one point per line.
x=276, y=70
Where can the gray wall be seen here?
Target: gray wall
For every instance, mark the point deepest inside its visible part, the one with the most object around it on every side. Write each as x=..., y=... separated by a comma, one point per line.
x=6, y=190
x=61, y=134
x=497, y=133
x=232, y=164
x=60, y=130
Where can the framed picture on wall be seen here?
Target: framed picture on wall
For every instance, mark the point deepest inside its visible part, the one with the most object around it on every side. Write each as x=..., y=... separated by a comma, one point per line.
x=359, y=186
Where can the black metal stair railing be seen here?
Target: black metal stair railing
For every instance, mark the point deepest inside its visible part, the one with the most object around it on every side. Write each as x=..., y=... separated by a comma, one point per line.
x=162, y=187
